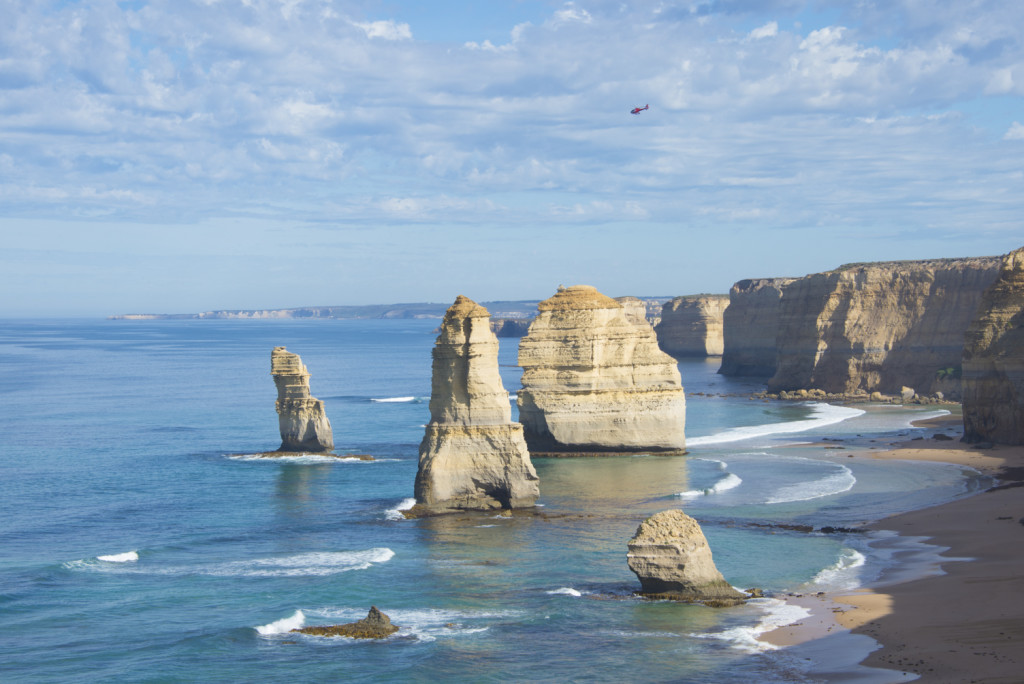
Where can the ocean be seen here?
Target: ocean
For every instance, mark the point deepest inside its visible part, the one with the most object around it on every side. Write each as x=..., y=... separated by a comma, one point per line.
x=143, y=541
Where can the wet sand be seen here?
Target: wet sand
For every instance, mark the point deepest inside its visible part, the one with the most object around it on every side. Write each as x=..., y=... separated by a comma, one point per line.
x=966, y=625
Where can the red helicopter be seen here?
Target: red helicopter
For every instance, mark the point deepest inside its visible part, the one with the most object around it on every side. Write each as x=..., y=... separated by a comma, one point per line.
x=637, y=110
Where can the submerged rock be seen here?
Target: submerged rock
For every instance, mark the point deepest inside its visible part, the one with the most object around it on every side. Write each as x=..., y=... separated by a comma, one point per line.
x=993, y=361
x=303, y=422
x=672, y=559
x=376, y=625
x=472, y=457
x=595, y=381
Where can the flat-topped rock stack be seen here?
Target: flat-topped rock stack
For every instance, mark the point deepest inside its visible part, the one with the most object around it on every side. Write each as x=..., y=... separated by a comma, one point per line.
x=303, y=422
x=594, y=381
x=692, y=325
x=890, y=327
x=671, y=557
x=750, y=325
x=473, y=457
x=993, y=360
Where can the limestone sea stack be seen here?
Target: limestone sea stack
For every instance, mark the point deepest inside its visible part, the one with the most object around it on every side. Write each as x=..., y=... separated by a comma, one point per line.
x=750, y=325
x=304, y=425
x=672, y=559
x=595, y=381
x=993, y=361
x=473, y=457
x=692, y=325
x=879, y=326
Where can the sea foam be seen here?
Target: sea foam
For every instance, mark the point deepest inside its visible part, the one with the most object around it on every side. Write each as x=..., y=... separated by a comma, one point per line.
x=396, y=512
x=283, y=625
x=841, y=575
x=778, y=614
x=821, y=415
x=393, y=400
x=565, y=591
x=126, y=557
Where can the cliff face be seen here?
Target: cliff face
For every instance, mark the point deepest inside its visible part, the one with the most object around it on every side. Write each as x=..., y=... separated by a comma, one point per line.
x=750, y=325
x=878, y=326
x=671, y=557
x=472, y=455
x=304, y=425
x=693, y=325
x=993, y=361
x=595, y=381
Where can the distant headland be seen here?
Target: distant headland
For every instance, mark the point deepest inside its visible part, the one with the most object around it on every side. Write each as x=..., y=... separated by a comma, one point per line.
x=499, y=310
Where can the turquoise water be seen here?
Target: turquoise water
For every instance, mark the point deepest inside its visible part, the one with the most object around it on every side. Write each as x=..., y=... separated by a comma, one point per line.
x=139, y=543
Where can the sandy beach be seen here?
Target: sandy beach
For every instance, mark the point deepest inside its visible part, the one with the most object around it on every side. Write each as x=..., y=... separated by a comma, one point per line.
x=965, y=625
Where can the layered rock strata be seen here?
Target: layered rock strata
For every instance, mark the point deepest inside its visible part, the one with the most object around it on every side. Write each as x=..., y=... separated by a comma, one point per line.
x=672, y=559
x=750, y=325
x=692, y=325
x=473, y=457
x=880, y=326
x=595, y=381
x=993, y=360
x=304, y=425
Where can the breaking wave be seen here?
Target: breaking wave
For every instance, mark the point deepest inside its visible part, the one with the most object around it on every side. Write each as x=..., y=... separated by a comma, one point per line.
x=393, y=400
x=396, y=512
x=821, y=415
x=841, y=480
x=126, y=557
x=283, y=625
x=728, y=482
x=778, y=614
x=841, y=575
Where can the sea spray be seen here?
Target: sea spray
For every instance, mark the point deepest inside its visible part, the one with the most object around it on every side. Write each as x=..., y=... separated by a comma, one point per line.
x=396, y=512
x=284, y=625
x=126, y=557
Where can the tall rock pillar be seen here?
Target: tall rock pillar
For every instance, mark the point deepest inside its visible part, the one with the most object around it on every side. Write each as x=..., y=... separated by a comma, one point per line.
x=304, y=425
x=473, y=457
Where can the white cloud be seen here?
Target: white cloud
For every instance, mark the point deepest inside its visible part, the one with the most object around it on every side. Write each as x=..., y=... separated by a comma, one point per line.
x=1015, y=132
x=386, y=29
x=769, y=30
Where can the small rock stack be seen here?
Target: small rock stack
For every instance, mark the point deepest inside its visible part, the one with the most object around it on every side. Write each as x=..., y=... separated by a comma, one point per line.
x=304, y=425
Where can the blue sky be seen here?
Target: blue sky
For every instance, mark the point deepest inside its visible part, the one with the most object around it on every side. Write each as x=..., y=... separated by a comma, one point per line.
x=190, y=155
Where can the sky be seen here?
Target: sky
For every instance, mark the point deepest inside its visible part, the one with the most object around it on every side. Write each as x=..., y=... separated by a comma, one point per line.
x=177, y=156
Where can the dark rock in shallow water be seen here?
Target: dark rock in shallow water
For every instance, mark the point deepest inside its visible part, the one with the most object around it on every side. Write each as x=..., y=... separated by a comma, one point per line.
x=376, y=625
x=941, y=437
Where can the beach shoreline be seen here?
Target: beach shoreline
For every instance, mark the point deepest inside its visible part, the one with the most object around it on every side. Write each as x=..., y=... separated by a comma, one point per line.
x=963, y=623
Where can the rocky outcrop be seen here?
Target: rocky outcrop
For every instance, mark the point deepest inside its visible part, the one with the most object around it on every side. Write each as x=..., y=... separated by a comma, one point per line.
x=692, y=325
x=473, y=457
x=993, y=360
x=304, y=425
x=749, y=327
x=879, y=326
x=672, y=559
x=376, y=625
x=634, y=308
x=594, y=381
x=510, y=327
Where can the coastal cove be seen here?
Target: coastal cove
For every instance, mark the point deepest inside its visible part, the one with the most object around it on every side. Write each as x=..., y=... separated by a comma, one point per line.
x=137, y=544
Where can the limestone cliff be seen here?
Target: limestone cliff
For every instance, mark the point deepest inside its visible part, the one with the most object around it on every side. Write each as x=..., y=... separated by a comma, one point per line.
x=594, y=381
x=472, y=455
x=304, y=425
x=671, y=558
x=993, y=361
x=692, y=325
x=878, y=326
x=749, y=326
